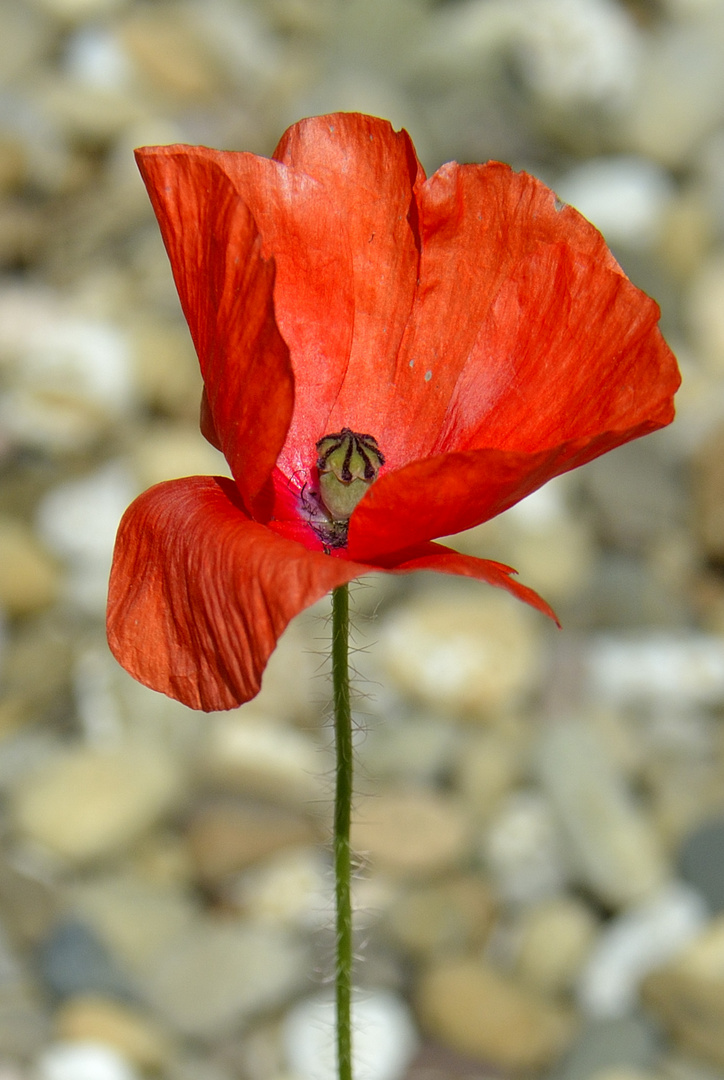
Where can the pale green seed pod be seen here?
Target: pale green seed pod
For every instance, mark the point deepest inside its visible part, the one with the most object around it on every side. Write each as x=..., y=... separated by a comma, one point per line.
x=348, y=464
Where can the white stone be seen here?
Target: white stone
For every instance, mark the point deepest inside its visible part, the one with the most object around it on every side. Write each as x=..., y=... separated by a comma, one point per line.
x=82, y=1061
x=78, y=522
x=294, y=888
x=254, y=753
x=626, y=197
x=664, y=668
x=578, y=51
x=522, y=849
x=67, y=376
x=638, y=941
x=463, y=654
x=384, y=1038
x=94, y=56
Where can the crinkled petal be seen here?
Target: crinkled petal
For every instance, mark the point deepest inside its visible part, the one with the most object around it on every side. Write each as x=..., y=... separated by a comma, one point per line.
x=336, y=212
x=199, y=593
x=226, y=291
x=524, y=332
x=449, y=493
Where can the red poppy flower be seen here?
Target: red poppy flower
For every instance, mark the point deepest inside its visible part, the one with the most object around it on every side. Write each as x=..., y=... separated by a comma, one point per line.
x=458, y=340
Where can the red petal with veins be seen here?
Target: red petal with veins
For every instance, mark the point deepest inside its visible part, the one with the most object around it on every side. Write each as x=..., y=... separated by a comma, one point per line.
x=199, y=593
x=225, y=286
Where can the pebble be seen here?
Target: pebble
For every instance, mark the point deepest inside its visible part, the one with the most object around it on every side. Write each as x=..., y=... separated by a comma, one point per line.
x=254, y=754
x=522, y=849
x=629, y=1045
x=578, y=53
x=136, y=918
x=104, y=1020
x=169, y=451
x=413, y=833
x=634, y=943
x=700, y=862
x=657, y=668
x=83, y=1061
x=451, y=916
x=555, y=940
x=73, y=378
x=78, y=520
x=687, y=994
x=29, y=579
x=485, y=1014
x=384, y=1037
x=292, y=889
x=226, y=837
x=469, y=656
x=487, y=770
x=612, y=845
x=89, y=803
x=625, y=197
x=709, y=489
x=73, y=960
x=219, y=975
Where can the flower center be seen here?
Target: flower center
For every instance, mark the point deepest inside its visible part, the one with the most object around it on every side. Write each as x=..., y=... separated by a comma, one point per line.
x=347, y=464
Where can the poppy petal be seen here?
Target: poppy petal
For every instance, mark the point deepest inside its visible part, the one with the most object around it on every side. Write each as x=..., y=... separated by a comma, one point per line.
x=199, y=593
x=449, y=493
x=226, y=291
x=445, y=560
x=336, y=212
x=525, y=332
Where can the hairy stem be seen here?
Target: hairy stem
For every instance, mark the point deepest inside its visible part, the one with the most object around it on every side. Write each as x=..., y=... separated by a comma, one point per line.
x=342, y=814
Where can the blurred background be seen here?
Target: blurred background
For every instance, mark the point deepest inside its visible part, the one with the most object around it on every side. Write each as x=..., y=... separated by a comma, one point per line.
x=541, y=812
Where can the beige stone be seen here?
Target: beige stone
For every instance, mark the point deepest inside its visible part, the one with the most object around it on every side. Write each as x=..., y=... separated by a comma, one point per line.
x=709, y=492
x=688, y=995
x=225, y=838
x=555, y=939
x=29, y=577
x=448, y=916
x=478, y=1011
x=168, y=451
x=98, y=1019
x=461, y=654
x=89, y=803
x=413, y=833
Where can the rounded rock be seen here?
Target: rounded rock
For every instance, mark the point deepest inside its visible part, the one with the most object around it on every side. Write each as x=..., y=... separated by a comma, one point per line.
x=413, y=833
x=482, y=1013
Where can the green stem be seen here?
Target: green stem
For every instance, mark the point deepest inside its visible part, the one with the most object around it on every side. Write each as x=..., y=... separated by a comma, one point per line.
x=342, y=814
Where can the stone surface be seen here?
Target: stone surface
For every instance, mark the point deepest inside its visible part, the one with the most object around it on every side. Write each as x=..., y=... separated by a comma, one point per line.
x=688, y=995
x=468, y=656
x=555, y=940
x=226, y=837
x=252, y=753
x=451, y=916
x=72, y=959
x=89, y=803
x=613, y=845
x=629, y=1046
x=635, y=942
x=414, y=833
x=701, y=861
x=96, y=1019
x=83, y=1061
x=384, y=1038
x=479, y=1012
x=29, y=579
x=217, y=976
